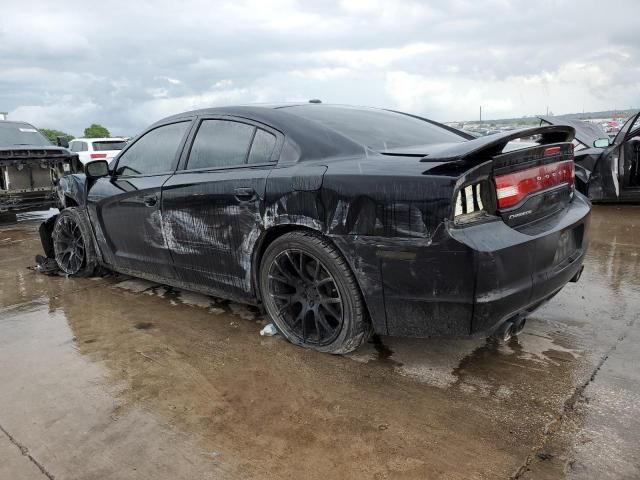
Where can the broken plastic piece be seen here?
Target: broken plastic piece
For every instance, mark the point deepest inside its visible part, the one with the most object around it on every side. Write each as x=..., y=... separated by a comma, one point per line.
x=269, y=331
x=48, y=266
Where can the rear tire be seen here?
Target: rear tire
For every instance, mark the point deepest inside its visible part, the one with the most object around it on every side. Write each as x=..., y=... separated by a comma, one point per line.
x=73, y=245
x=310, y=293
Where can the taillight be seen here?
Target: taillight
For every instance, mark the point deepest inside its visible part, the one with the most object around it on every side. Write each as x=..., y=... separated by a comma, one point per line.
x=514, y=187
x=94, y=156
x=469, y=205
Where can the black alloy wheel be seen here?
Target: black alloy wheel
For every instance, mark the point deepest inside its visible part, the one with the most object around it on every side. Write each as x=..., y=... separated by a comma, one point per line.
x=73, y=246
x=69, y=245
x=311, y=294
x=307, y=297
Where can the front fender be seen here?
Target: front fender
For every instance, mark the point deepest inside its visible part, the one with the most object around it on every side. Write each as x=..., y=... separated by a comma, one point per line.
x=71, y=190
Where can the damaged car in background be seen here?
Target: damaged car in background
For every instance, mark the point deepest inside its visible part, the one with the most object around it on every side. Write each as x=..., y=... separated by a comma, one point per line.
x=606, y=171
x=339, y=221
x=29, y=168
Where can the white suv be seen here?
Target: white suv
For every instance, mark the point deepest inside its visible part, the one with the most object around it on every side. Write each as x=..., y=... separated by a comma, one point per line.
x=96, y=148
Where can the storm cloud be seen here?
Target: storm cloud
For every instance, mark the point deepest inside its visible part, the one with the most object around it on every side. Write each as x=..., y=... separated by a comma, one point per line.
x=127, y=64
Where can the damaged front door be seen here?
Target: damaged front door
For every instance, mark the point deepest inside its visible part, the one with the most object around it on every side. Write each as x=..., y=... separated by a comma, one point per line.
x=212, y=209
x=125, y=207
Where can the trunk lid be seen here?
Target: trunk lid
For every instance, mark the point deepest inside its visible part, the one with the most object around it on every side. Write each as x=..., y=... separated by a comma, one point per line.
x=521, y=176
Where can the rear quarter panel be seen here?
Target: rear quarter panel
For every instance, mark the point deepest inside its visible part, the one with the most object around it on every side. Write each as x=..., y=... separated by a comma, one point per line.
x=387, y=216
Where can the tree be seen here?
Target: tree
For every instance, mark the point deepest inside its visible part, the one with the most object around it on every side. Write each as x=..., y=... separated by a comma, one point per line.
x=53, y=135
x=96, y=131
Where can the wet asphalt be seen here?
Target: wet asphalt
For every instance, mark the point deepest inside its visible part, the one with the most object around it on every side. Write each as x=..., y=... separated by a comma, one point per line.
x=112, y=377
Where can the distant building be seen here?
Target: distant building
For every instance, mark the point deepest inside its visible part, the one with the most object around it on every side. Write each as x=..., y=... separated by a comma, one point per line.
x=3, y=115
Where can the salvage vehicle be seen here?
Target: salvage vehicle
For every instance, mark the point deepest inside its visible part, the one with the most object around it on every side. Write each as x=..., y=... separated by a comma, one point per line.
x=338, y=220
x=29, y=167
x=606, y=171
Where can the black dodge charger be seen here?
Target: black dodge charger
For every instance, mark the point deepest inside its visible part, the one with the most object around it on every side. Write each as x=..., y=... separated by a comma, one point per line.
x=338, y=220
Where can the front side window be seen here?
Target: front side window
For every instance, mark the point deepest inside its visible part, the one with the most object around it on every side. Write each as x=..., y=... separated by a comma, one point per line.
x=155, y=152
x=220, y=143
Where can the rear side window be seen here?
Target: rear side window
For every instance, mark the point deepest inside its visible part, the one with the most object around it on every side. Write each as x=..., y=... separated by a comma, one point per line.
x=262, y=147
x=220, y=143
x=154, y=152
x=377, y=129
x=108, y=145
x=78, y=146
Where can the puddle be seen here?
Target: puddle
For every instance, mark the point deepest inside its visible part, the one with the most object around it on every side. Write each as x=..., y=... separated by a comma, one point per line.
x=180, y=385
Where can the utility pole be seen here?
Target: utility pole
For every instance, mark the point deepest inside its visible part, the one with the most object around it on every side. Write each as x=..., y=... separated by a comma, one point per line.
x=480, y=113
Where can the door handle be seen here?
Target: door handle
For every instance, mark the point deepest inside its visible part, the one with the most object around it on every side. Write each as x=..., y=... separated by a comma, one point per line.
x=150, y=201
x=244, y=194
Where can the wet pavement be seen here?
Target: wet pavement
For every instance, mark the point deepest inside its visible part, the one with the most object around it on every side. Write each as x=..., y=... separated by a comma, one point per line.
x=110, y=378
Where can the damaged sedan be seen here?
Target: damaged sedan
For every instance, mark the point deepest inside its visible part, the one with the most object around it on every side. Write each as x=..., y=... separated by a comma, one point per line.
x=606, y=171
x=339, y=221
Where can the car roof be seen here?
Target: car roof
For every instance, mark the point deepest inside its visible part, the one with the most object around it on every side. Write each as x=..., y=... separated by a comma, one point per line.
x=312, y=139
x=586, y=133
x=6, y=123
x=265, y=110
x=103, y=139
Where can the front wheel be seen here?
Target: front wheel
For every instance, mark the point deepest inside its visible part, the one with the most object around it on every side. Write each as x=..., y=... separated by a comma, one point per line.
x=311, y=294
x=72, y=243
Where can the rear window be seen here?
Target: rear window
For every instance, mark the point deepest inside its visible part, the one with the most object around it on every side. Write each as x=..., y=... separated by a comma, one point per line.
x=12, y=134
x=108, y=145
x=378, y=129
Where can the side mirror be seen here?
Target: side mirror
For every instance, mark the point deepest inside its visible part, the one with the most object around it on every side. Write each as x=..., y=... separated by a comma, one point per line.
x=96, y=169
x=62, y=142
x=601, y=143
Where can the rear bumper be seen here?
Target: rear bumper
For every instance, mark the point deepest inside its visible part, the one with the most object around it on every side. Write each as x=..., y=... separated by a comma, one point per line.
x=526, y=268
x=467, y=281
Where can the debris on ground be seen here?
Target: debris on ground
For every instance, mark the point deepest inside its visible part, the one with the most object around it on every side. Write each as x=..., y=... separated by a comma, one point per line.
x=269, y=331
x=45, y=265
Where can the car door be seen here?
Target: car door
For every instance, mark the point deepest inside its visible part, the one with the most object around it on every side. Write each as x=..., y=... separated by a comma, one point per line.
x=629, y=163
x=212, y=208
x=125, y=207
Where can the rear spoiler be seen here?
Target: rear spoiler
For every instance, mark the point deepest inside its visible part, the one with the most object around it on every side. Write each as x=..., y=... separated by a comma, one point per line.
x=492, y=145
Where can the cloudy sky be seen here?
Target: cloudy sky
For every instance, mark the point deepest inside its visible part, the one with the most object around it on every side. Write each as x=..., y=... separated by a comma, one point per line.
x=126, y=64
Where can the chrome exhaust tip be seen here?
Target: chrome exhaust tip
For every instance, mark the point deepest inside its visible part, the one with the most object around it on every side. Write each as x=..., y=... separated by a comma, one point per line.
x=504, y=333
x=518, y=326
x=577, y=276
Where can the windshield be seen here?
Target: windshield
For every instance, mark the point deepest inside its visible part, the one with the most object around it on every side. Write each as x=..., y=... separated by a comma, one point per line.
x=12, y=134
x=108, y=145
x=378, y=129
